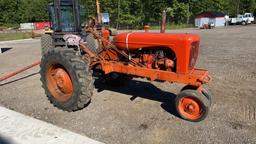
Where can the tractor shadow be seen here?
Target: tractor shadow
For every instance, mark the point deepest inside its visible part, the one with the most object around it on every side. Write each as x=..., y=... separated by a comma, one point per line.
x=145, y=90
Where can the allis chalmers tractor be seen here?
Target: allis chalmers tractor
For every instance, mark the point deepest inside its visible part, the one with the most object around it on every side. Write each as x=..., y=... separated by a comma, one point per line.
x=72, y=54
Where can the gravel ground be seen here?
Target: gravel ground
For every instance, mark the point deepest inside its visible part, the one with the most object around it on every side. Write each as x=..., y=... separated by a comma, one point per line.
x=141, y=112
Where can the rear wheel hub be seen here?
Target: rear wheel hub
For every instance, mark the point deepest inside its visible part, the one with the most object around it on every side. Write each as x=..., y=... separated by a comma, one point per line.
x=59, y=83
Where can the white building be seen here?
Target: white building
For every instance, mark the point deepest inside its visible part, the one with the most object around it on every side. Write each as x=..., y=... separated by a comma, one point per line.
x=217, y=18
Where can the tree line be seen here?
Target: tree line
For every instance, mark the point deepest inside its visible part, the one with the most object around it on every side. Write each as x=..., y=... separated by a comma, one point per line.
x=127, y=13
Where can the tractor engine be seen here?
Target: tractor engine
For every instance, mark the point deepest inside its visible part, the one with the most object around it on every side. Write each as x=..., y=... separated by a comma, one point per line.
x=143, y=50
x=154, y=58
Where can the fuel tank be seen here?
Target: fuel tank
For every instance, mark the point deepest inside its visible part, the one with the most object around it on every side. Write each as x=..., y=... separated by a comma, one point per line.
x=136, y=40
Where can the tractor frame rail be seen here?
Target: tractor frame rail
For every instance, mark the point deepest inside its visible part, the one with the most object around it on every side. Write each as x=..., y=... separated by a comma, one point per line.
x=196, y=77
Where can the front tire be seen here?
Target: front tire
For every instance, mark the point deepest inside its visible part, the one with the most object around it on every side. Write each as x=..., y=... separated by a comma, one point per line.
x=66, y=79
x=205, y=91
x=192, y=105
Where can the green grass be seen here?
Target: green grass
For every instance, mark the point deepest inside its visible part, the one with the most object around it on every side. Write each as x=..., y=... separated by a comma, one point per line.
x=173, y=26
x=14, y=36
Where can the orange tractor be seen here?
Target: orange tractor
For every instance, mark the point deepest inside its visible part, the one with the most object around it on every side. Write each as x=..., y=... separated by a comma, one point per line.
x=73, y=53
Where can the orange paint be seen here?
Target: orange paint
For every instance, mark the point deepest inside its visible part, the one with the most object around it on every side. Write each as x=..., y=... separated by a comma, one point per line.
x=185, y=46
x=196, y=77
x=106, y=36
x=190, y=108
x=59, y=83
x=180, y=44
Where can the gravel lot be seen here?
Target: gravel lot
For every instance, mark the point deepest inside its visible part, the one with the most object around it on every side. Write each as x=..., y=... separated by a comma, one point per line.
x=142, y=112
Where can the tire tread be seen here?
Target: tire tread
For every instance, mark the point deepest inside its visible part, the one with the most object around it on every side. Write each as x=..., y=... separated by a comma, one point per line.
x=84, y=77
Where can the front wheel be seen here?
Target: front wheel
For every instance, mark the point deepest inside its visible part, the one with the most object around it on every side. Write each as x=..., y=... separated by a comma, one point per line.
x=192, y=105
x=205, y=91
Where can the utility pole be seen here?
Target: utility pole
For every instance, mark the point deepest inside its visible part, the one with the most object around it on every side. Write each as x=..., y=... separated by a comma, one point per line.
x=238, y=7
x=98, y=14
x=163, y=24
x=118, y=15
x=188, y=11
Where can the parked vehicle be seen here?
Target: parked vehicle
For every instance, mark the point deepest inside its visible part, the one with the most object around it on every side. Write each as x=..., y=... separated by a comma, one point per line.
x=210, y=25
x=245, y=19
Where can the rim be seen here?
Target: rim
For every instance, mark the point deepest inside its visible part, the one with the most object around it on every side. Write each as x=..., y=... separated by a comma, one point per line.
x=190, y=108
x=59, y=83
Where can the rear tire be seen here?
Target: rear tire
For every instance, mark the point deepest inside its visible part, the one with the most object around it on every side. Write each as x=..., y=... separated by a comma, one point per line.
x=192, y=105
x=46, y=43
x=66, y=79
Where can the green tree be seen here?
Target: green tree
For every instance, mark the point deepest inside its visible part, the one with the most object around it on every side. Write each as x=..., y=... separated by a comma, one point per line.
x=127, y=13
x=33, y=10
x=9, y=13
x=247, y=6
x=180, y=12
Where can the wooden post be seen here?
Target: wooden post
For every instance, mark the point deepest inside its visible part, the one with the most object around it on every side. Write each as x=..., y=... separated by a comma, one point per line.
x=146, y=28
x=118, y=15
x=163, y=24
x=98, y=14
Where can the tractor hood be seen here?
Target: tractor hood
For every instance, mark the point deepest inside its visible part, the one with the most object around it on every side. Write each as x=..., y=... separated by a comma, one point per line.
x=136, y=40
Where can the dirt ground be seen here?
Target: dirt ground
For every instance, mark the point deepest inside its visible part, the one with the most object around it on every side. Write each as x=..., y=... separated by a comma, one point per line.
x=142, y=112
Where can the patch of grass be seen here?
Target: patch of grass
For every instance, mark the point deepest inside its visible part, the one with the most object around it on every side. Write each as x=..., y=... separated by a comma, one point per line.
x=9, y=25
x=173, y=26
x=14, y=36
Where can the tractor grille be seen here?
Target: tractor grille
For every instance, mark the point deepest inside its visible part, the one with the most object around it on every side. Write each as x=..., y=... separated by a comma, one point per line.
x=194, y=50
